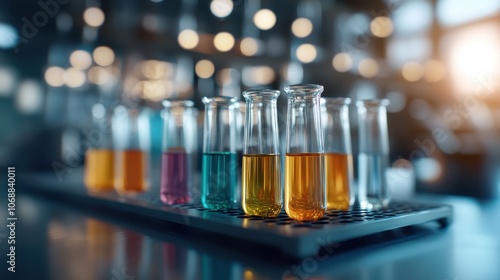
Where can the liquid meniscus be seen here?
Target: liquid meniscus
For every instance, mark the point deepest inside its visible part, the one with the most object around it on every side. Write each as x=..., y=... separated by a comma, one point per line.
x=261, y=185
x=174, y=187
x=219, y=180
x=131, y=172
x=99, y=168
x=338, y=172
x=304, y=186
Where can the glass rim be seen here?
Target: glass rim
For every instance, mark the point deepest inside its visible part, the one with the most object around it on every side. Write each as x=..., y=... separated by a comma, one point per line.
x=176, y=103
x=221, y=100
x=304, y=89
x=372, y=102
x=335, y=101
x=261, y=93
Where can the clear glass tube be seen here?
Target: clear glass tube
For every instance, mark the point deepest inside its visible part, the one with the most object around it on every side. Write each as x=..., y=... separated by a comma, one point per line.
x=99, y=159
x=373, y=153
x=261, y=194
x=131, y=139
x=305, y=192
x=179, y=145
x=338, y=152
x=219, y=164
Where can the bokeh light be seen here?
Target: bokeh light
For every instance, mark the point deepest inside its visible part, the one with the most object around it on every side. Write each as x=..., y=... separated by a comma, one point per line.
x=80, y=59
x=221, y=8
x=368, y=68
x=54, y=76
x=103, y=56
x=412, y=71
x=434, y=71
x=342, y=62
x=224, y=41
x=302, y=27
x=204, y=69
x=306, y=53
x=249, y=46
x=264, y=19
x=381, y=27
x=94, y=16
x=75, y=77
x=188, y=39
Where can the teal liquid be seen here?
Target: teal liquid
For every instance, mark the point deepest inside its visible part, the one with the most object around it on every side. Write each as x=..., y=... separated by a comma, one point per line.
x=219, y=180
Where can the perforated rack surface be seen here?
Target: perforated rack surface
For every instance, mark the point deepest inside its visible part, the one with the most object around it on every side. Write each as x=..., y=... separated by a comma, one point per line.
x=296, y=239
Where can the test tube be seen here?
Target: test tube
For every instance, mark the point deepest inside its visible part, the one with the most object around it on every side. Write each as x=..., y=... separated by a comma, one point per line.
x=179, y=144
x=261, y=194
x=338, y=153
x=131, y=138
x=99, y=159
x=219, y=160
x=305, y=192
x=373, y=153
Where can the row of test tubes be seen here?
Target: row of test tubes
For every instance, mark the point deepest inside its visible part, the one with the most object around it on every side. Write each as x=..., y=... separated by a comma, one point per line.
x=318, y=163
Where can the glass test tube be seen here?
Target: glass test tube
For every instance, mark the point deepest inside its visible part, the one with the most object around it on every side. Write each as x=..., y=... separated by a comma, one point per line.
x=179, y=144
x=261, y=160
x=219, y=163
x=131, y=157
x=99, y=160
x=305, y=192
x=373, y=153
x=338, y=153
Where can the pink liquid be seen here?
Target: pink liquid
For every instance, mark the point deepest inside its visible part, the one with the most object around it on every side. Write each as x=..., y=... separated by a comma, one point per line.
x=175, y=178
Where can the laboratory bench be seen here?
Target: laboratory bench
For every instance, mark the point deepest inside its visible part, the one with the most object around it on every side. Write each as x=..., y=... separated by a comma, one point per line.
x=58, y=237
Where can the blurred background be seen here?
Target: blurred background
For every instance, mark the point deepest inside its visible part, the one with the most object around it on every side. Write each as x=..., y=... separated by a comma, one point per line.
x=437, y=61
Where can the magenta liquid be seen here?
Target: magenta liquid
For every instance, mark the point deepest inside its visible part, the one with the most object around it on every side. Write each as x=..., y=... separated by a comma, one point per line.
x=175, y=178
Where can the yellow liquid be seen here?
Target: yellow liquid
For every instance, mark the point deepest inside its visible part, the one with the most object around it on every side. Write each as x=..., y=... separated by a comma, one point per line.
x=305, y=186
x=261, y=185
x=131, y=172
x=338, y=172
x=99, y=166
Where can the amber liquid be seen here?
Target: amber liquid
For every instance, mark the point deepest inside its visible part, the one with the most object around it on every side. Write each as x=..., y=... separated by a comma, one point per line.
x=99, y=168
x=261, y=185
x=131, y=172
x=338, y=171
x=305, y=197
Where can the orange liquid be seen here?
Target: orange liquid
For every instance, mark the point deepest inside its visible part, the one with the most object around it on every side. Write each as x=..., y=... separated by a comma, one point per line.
x=305, y=197
x=99, y=166
x=261, y=185
x=131, y=172
x=338, y=173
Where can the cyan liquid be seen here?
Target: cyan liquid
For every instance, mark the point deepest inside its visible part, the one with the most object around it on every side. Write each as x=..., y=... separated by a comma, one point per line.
x=372, y=180
x=219, y=180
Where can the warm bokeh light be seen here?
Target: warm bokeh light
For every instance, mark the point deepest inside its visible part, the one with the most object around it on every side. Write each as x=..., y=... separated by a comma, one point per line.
x=368, y=68
x=103, y=56
x=74, y=77
x=98, y=75
x=381, y=27
x=80, y=59
x=306, y=53
x=342, y=62
x=221, y=8
x=188, y=39
x=264, y=19
x=258, y=75
x=204, y=69
x=224, y=41
x=156, y=69
x=302, y=27
x=54, y=76
x=412, y=71
x=94, y=16
x=249, y=46
x=434, y=71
